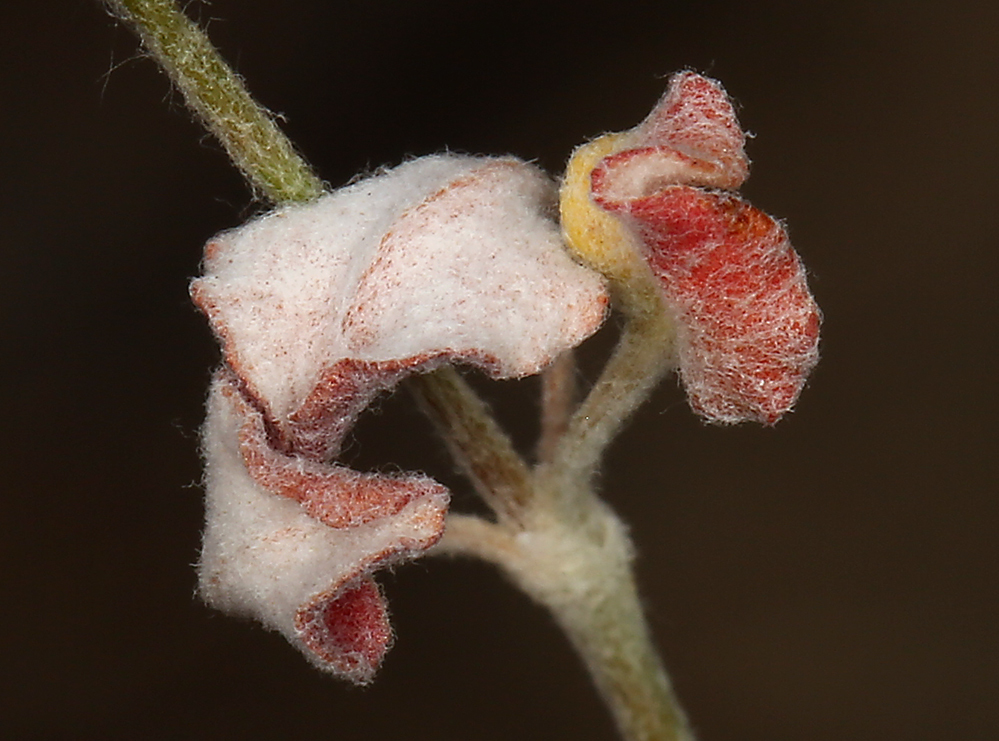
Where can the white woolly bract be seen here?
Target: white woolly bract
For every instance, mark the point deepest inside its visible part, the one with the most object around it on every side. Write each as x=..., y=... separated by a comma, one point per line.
x=263, y=557
x=444, y=254
x=321, y=307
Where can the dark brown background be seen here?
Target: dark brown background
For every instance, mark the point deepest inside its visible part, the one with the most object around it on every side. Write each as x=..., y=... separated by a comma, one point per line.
x=834, y=578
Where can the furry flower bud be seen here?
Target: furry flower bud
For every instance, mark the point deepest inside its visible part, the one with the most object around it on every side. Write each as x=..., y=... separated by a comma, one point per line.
x=660, y=198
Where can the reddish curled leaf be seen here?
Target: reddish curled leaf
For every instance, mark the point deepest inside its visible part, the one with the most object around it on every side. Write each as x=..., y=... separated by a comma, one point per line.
x=747, y=325
x=320, y=308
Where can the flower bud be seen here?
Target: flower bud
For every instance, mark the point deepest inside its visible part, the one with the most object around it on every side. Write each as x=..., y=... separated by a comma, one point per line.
x=659, y=198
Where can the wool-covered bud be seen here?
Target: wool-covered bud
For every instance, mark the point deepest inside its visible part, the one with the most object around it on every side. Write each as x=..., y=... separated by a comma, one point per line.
x=321, y=307
x=661, y=198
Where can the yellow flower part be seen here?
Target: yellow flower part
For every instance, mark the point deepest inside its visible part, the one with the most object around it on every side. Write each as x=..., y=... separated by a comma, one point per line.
x=595, y=236
x=598, y=238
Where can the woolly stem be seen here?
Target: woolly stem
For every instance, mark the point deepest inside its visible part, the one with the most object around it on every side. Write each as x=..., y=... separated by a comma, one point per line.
x=480, y=448
x=643, y=355
x=558, y=397
x=600, y=612
x=556, y=539
x=469, y=535
x=212, y=90
x=609, y=631
x=582, y=573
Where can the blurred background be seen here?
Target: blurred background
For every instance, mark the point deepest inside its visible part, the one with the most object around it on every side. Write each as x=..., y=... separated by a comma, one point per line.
x=832, y=578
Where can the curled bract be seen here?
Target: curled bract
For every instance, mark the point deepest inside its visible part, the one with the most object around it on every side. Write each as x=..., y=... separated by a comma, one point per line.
x=321, y=307
x=662, y=196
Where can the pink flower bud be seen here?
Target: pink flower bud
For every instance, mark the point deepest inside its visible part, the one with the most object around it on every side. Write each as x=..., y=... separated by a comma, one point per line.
x=747, y=325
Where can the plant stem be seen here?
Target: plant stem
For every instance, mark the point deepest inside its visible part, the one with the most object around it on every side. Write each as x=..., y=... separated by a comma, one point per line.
x=481, y=449
x=212, y=90
x=606, y=624
x=643, y=355
x=582, y=573
x=558, y=401
x=612, y=637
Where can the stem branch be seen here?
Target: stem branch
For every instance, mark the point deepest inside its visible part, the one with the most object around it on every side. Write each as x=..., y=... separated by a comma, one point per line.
x=558, y=398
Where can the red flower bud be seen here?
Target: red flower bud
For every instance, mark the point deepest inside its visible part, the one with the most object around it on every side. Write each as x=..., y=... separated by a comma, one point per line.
x=747, y=326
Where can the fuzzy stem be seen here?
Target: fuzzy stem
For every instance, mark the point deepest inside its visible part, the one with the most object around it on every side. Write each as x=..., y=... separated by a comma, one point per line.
x=212, y=90
x=603, y=619
x=478, y=445
x=470, y=535
x=558, y=398
x=643, y=355
x=609, y=631
x=581, y=572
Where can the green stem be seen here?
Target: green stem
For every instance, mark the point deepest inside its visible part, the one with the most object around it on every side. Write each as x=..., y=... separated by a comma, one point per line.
x=643, y=355
x=479, y=446
x=582, y=573
x=210, y=87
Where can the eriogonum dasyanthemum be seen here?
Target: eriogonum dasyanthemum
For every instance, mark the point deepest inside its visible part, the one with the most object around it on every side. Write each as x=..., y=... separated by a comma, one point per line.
x=662, y=196
x=321, y=307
